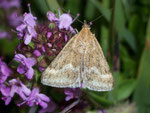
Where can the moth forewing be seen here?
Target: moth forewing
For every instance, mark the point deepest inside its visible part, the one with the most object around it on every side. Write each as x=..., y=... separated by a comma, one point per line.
x=64, y=70
x=97, y=75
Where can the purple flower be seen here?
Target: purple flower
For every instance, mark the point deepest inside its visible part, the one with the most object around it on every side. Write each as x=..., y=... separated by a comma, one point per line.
x=51, y=16
x=14, y=20
x=6, y=94
x=51, y=107
x=4, y=34
x=43, y=49
x=26, y=65
x=7, y=4
x=37, y=53
x=4, y=71
x=26, y=29
x=29, y=19
x=41, y=69
x=65, y=20
x=66, y=38
x=36, y=98
x=14, y=86
x=72, y=93
x=49, y=34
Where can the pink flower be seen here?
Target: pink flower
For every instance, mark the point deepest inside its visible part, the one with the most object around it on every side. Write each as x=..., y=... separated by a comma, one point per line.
x=14, y=86
x=37, y=53
x=51, y=16
x=72, y=93
x=7, y=4
x=50, y=109
x=65, y=20
x=26, y=65
x=36, y=98
x=14, y=20
x=4, y=34
x=4, y=71
x=26, y=29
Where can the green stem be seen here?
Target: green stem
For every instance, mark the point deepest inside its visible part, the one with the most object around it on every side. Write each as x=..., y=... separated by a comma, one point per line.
x=112, y=33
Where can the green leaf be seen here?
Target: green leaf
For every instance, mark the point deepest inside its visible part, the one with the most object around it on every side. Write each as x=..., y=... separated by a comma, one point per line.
x=7, y=47
x=53, y=5
x=128, y=36
x=119, y=19
x=104, y=39
x=31, y=44
x=125, y=89
x=37, y=75
x=129, y=64
x=120, y=22
x=90, y=11
x=143, y=83
x=100, y=99
x=105, y=11
x=73, y=6
x=42, y=5
x=51, y=25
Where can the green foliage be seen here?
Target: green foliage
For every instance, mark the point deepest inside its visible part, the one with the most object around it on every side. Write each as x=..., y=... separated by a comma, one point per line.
x=37, y=75
x=143, y=82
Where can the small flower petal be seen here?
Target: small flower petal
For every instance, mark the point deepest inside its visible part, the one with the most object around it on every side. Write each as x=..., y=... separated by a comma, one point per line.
x=49, y=34
x=44, y=97
x=21, y=27
x=19, y=57
x=21, y=69
x=37, y=53
x=7, y=101
x=29, y=19
x=30, y=62
x=32, y=31
x=29, y=73
x=51, y=16
x=65, y=20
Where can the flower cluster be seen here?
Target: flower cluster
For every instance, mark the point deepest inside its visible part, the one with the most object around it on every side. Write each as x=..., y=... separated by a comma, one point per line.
x=29, y=97
x=34, y=97
x=44, y=41
x=39, y=44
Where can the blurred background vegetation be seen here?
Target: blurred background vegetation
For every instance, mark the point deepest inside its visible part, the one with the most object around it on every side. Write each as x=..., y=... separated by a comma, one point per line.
x=123, y=30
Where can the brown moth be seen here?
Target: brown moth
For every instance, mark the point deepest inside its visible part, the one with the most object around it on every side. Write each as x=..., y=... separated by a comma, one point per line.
x=81, y=63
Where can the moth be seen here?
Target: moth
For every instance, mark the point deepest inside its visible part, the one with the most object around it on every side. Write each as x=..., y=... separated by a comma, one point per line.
x=81, y=63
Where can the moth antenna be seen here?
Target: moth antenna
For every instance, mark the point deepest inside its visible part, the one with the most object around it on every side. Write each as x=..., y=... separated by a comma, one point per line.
x=91, y=22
